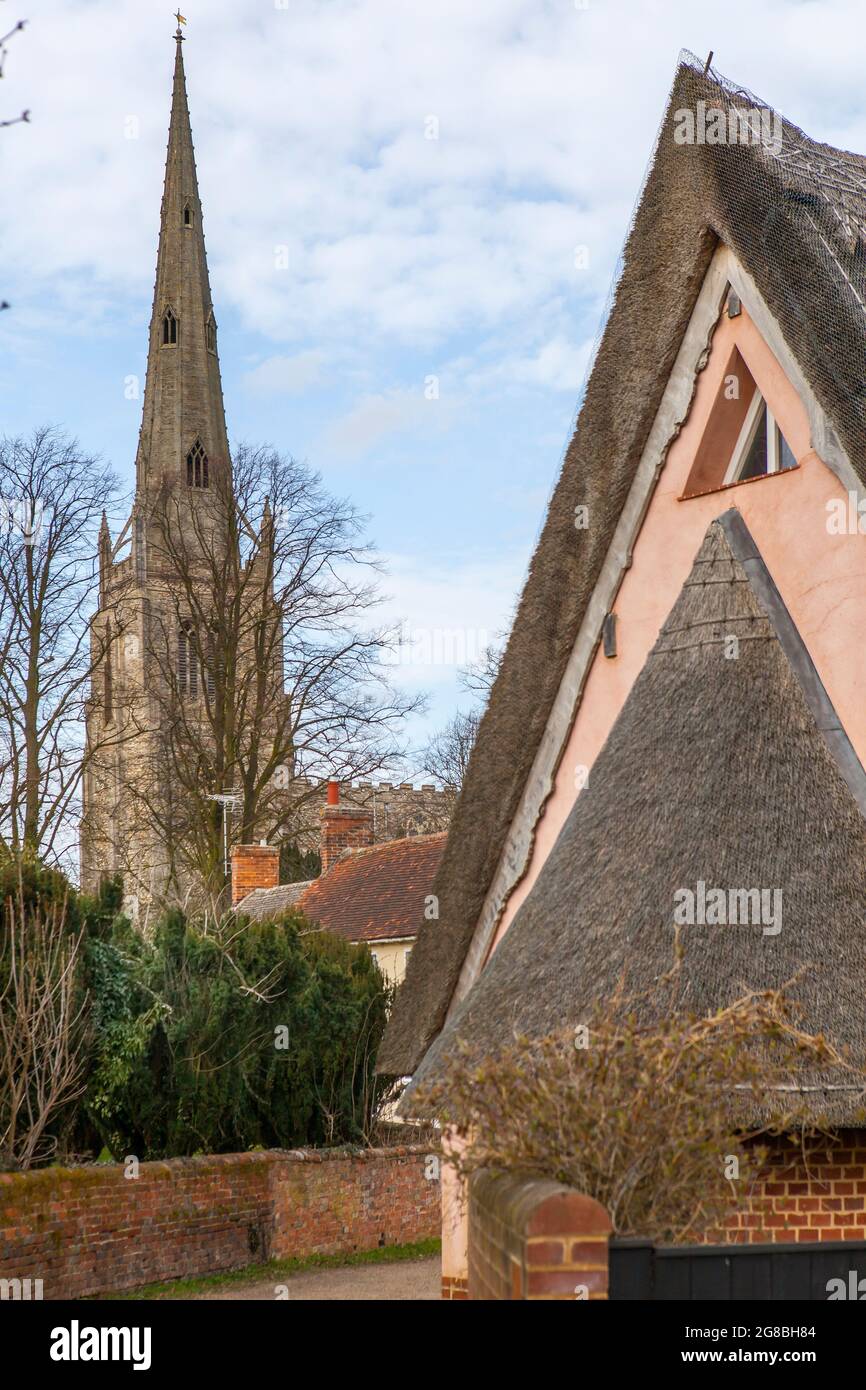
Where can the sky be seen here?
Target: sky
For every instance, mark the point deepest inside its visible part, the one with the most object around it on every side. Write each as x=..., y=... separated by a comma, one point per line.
x=413, y=213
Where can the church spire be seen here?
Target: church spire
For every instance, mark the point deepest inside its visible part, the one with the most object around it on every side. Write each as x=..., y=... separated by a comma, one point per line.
x=183, y=440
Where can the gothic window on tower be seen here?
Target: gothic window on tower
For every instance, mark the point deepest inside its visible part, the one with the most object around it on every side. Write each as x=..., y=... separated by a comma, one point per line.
x=187, y=215
x=210, y=666
x=196, y=466
x=170, y=327
x=210, y=332
x=187, y=667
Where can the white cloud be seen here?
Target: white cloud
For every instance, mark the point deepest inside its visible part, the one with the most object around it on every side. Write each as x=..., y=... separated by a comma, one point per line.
x=557, y=364
x=394, y=412
x=406, y=255
x=287, y=376
x=310, y=132
x=447, y=616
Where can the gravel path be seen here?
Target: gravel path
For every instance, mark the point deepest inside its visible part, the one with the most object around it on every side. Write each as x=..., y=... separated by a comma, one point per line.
x=405, y=1279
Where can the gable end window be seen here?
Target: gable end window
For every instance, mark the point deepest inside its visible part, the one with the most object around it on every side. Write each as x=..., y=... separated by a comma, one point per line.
x=197, y=474
x=761, y=447
x=170, y=328
x=741, y=439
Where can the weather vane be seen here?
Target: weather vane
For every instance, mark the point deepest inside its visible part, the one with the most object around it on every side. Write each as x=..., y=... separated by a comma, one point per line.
x=180, y=20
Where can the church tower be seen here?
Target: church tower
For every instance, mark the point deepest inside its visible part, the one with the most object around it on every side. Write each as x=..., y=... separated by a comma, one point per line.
x=138, y=641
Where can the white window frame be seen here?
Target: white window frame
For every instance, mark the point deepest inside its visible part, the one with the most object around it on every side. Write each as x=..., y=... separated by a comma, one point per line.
x=747, y=437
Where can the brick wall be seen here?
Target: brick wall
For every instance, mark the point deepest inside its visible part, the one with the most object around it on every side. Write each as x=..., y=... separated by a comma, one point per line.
x=344, y=827
x=529, y=1239
x=254, y=866
x=534, y=1240
x=92, y=1230
x=814, y=1194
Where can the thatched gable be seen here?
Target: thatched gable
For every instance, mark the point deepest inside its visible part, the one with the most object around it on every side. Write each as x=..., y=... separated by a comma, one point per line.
x=796, y=219
x=725, y=770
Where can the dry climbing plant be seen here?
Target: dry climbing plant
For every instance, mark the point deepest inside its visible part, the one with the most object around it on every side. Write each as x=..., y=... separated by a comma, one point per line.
x=644, y=1116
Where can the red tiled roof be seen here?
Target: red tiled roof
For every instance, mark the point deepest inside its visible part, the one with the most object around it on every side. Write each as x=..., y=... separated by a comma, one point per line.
x=376, y=893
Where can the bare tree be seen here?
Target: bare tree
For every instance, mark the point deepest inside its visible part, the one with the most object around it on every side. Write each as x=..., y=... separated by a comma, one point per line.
x=25, y=115
x=266, y=672
x=446, y=756
x=42, y=1030
x=51, y=499
x=4, y=39
x=477, y=678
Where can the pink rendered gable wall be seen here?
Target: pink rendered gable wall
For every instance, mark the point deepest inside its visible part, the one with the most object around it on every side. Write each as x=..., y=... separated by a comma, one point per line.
x=821, y=577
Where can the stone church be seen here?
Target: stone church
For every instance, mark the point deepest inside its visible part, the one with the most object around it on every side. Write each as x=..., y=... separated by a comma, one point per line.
x=153, y=691
x=182, y=466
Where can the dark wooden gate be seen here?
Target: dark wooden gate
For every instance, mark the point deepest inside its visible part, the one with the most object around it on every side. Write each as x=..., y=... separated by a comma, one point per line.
x=722, y=1273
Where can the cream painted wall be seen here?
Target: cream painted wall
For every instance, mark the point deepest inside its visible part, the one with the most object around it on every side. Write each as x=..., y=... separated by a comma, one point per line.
x=391, y=956
x=821, y=577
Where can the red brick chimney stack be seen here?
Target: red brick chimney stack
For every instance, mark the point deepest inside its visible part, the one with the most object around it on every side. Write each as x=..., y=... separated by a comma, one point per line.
x=343, y=827
x=254, y=866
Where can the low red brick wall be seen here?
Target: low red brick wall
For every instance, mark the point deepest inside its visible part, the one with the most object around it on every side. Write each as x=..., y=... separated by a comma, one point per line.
x=534, y=1240
x=92, y=1230
x=805, y=1193
x=530, y=1239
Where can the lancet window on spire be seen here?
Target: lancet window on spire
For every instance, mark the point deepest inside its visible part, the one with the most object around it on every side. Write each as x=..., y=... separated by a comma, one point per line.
x=187, y=215
x=210, y=332
x=170, y=328
x=197, y=466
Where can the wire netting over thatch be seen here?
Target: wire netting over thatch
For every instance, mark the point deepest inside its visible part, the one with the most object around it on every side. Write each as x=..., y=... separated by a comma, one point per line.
x=794, y=212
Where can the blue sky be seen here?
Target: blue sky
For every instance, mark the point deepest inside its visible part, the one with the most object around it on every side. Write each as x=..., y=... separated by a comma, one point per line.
x=392, y=192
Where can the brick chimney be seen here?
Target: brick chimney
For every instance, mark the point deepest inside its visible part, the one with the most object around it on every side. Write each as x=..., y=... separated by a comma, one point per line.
x=343, y=827
x=254, y=866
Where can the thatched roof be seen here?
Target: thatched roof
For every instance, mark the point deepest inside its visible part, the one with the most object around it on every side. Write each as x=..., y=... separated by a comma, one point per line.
x=716, y=772
x=796, y=219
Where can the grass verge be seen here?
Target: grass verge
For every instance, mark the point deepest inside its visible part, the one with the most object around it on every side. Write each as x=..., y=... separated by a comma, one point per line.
x=274, y=1269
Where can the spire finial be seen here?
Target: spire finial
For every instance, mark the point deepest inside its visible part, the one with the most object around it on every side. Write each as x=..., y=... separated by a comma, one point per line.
x=180, y=20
